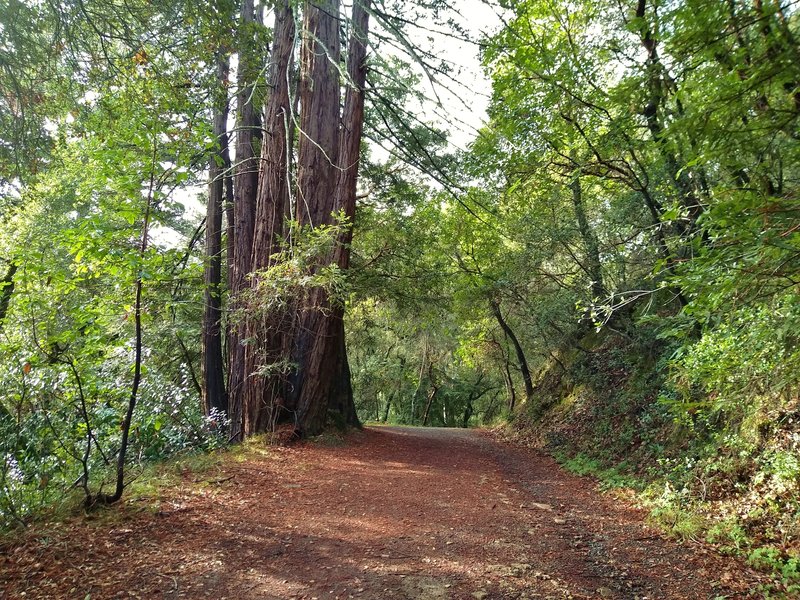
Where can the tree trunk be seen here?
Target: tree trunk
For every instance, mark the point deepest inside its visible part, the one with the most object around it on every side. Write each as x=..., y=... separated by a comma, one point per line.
x=244, y=200
x=431, y=396
x=341, y=400
x=512, y=393
x=316, y=182
x=6, y=291
x=310, y=335
x=418, y=390
x=523, y=363
x=388, y=407
x=467, y=414
x=328, y=160
x=213, y=374
x=341, y=403
x=593, y=265
x=263, y=394
x=127, y=420
x=658, y=82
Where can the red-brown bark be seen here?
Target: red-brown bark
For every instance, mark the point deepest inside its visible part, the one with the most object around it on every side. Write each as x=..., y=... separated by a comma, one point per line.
x=244, y=200
x=323, y=376
x=310, y=334
x=341, y=395
x=213, y=372
x=263, y=393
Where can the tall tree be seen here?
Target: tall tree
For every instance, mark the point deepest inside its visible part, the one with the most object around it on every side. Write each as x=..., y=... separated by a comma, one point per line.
x=246, y=171
x=293, y=366
x=214, y=393
x=341, y=394
x=263, y=397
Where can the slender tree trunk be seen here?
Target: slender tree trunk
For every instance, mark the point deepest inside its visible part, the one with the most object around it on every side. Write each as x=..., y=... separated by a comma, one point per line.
x=6, y=291
x=213, y=373
x=431, y=396
x=593, y=265
x=509, y=381
x=468, y=410
x=473, y=397
x=227, y=165
x=137, y=348
x=523, y=363
x=420, y=380
x=388, y=407
x=658, y=84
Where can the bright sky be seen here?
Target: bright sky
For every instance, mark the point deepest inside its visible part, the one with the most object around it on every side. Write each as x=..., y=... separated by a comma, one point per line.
x=464, y=100
x=464, y=104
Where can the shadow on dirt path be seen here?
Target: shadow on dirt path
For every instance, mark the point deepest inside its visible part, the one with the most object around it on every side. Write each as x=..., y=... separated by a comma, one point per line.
x=417, y=513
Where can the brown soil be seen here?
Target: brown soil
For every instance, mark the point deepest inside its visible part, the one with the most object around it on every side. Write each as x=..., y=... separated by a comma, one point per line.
x=395, y=513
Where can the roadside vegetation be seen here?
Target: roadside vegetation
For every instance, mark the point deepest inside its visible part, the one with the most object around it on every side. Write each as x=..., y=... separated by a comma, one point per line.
x=199, y=246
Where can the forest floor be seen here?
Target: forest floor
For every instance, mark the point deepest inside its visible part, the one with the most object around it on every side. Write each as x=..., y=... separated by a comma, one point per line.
x=393, y=512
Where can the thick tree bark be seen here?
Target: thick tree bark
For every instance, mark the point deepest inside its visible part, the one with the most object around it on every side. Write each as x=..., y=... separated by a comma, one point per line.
x=523, y=362
x=263, y=394
x=244, y=201
x=310, y=336
x=328, y=160
x=341, y=399
x=341, y=403
x=352, y=127
x=213, y=373
x=316, y=182
x=319, y=119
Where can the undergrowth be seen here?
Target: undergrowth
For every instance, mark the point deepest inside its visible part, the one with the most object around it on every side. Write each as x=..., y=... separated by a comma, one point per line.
x=150, y=484
x=725, y=471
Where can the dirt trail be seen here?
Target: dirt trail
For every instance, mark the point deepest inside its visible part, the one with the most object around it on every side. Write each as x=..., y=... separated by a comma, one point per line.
x=396, y=513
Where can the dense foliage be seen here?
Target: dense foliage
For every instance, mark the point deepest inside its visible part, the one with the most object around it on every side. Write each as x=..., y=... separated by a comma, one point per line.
x=612, y=264
x=629, y=217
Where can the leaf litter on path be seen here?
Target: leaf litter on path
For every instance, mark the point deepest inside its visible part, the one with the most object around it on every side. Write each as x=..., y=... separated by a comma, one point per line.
x=416, y=513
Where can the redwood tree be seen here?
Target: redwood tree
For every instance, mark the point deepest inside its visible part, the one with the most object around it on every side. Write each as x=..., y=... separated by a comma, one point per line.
x=214, y=393
x=262, y=392
x=291, y=366
x=246, y=174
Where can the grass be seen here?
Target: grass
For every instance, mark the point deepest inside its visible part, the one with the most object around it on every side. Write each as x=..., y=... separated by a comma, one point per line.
x=147, y=486
x=610, y=477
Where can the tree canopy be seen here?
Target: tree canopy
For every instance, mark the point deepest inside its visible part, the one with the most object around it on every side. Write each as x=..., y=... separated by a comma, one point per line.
x=234, y=219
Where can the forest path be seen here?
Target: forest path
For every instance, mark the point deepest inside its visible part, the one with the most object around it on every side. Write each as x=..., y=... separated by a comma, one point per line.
x=416, y=513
